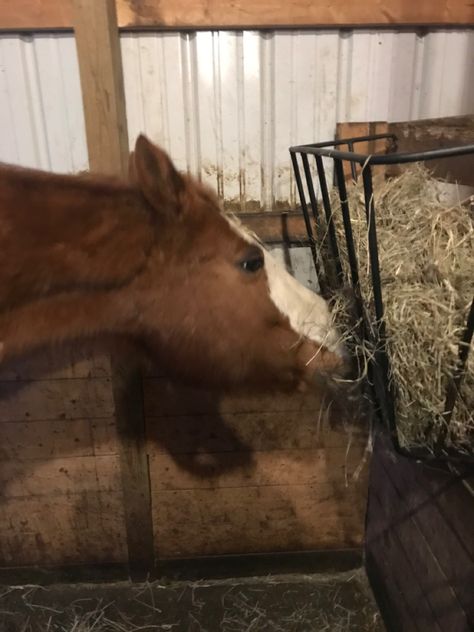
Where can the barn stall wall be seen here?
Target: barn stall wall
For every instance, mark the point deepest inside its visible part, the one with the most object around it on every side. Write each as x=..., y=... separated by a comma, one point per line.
x=241, y=100
x=227, y=105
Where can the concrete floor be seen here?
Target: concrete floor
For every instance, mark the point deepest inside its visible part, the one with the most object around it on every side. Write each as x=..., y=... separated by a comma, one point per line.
x=336, y=602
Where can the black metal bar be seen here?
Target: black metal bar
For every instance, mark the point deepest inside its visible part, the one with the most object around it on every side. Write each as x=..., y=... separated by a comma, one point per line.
x=328, y=213
x=320, y=269
x=350, y=146
x=372, y=239
x=380, y=353
x=307, y=221
x=346, y=218
x=312, y=196
x=384, y=390
x=386, y=159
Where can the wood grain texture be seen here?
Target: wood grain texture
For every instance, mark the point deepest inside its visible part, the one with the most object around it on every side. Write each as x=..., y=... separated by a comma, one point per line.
x=56, y=399
x=255, y=519
x=275, y=227
x=352, y=130
x=415, y=136
x=413, y=540
x=454, y=561
x=29, y=440
x=56, y=477
x=100, y=65
x=71, y=361
x=434, y=134
x=135, y=476
x=231, y=432
x=82, y=528
x=100, y=68
x=432, y=586
x=164, y=398
x=398, y=590
x=258, y=469
x=47, y=14
x=251, y=473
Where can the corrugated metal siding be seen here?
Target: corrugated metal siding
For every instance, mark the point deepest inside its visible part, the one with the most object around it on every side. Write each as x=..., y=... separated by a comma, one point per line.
x=41, y=116
x=227, y=105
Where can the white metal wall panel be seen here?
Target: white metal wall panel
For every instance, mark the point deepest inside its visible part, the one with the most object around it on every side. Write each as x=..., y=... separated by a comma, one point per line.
x=41, y=116
x=227, y=105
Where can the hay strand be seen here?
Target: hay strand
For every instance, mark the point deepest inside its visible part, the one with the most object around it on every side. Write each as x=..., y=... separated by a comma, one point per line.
x=426, y=255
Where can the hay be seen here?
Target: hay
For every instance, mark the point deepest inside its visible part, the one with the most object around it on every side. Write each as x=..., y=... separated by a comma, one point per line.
x=426, y=254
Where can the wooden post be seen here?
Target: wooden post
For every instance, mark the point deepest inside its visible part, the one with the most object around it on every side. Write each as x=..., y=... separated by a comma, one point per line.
x=100, y=65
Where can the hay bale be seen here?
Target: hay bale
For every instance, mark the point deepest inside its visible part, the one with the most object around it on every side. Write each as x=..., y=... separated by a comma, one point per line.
x=426, y=254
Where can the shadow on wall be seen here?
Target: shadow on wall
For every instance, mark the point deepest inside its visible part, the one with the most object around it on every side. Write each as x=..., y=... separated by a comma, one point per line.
x=229, y=473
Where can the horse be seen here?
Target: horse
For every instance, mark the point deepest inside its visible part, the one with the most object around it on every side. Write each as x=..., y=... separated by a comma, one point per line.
x=154, y=257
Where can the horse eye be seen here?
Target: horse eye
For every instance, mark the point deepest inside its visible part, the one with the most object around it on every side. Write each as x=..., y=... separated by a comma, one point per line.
x=253, y=264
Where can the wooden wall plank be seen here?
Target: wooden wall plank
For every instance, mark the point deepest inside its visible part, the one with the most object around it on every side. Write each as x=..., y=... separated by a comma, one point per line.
x=28, y=440
x=435, y=134
x=257, y=469
x=274, y=227
x=229, y=432
x=47, y=14
x=56, y=399
x=225, y=470
x=71, y=361
x=407, y=594
x=56, y=477
x=454, y=502
x=352, y=130
x=84, y=528
x=254, y=519
x=164, y=398
x=414, y=136
x=406, y=522
x=454, y=561
x=435, y=588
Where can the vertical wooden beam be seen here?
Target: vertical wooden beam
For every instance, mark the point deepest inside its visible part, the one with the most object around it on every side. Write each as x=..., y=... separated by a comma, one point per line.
x=100, y=65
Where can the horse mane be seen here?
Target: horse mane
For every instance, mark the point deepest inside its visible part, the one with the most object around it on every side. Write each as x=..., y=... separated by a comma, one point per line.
x=63, y=232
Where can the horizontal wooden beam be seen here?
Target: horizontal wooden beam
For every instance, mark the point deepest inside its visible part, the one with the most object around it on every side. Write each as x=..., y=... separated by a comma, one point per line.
x=276, y=227
x=420, y=135
x=35, y=15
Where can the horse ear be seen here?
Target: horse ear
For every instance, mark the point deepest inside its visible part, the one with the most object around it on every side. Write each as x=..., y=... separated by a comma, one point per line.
x=151, y=168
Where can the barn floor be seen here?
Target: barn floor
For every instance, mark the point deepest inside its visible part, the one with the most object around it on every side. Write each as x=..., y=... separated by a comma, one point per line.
x=337, y=602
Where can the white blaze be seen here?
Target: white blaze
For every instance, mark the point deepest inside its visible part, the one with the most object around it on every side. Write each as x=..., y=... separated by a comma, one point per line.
x=306, y=311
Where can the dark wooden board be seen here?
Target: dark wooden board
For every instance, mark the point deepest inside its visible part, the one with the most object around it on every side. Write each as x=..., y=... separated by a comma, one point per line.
x=415, y=541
